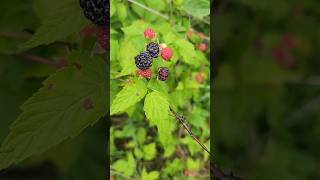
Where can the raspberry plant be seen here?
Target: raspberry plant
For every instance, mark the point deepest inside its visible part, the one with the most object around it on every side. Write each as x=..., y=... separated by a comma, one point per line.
x=146, y=139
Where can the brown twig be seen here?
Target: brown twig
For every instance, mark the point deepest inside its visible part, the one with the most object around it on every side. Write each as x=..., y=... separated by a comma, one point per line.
x=216, y=172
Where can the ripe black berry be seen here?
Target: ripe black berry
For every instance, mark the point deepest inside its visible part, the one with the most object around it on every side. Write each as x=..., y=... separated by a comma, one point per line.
x=97, y=11
x=153, y=49
x=143, y=60
x=163, y=73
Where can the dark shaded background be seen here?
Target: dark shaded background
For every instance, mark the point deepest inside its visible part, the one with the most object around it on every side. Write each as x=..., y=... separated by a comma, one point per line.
x=21, y=74
x=266, y=118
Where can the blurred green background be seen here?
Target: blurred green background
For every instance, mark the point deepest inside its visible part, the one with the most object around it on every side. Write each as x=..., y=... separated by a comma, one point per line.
x=266, y=99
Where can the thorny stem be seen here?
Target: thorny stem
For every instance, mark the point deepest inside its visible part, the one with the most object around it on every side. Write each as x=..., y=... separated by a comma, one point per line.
x=216, y=172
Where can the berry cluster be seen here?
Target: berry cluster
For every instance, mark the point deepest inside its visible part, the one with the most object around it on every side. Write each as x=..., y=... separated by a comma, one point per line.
x=97, y=11
x=145, y=58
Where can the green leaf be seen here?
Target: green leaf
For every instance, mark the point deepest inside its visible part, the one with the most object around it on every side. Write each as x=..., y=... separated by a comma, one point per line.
x=138, y=153
x=128, y=96
x=149, y=151
x=63, y=21
x=153, y=175
x=141, y=135
x=121, y=11
x=198, y=8
x=158, y=5
x=136, y=28
x=156, y=108
x=193, y=164
x=114, y=49
x=69, y=101
x=125, y=166
x=186, y=50
x=127, y=52
x=113, y=8
x=16, y=15
x=158, y=86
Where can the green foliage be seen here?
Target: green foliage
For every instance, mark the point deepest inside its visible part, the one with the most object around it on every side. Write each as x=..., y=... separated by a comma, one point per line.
x=197, y=9
x=65, y=19
x=48, y=116
x=147, y=127
x=128, y=96
x=126, y=167
x=72, y=97
x=153, y=175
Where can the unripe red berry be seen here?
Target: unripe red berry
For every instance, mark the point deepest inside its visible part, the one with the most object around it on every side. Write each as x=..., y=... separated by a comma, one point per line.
x=203, y=47
x=199, y=78
x=147, y=73
x=190, y=33
x=149, y=33
x=166, y=53
x=200, y=35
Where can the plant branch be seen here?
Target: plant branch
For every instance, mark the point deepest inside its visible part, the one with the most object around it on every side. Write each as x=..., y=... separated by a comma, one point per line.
x=17, y=35
x=43, y=60
x=216, y=172
x=149, y=9
x=182, y=119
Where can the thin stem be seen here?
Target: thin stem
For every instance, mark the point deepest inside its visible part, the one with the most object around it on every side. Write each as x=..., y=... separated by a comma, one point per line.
x=17, y=35
x=216, y=172
x=38, y=59
x=181, y=120
x=149, y=9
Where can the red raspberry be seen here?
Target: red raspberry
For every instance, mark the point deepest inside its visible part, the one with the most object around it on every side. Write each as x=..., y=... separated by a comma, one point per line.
x=145, y=73
x=149, y=33
x=200, y=34
x=203, y=47
x=190, y=33
x=103, y=37
x=199, y=78
x=166, y=53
